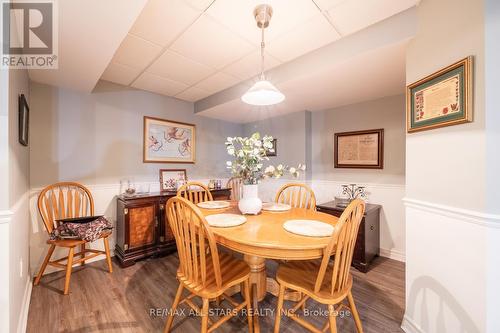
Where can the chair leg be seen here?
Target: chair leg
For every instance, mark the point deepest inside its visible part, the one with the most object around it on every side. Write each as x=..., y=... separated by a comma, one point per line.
x=82, y=250
x=44, y=265
x=171, y=313
x=248, y=299
x=279, y=309
x=355, y=313
x=108, y=255
x=204, y=316
x=69, y=266
x=332, y=318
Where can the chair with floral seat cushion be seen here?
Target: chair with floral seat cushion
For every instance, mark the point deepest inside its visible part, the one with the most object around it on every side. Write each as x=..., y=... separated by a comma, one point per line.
x=68, y=200
x=332, y=283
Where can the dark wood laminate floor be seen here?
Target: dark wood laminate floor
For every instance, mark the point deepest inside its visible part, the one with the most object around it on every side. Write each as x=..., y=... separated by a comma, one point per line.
x=133, y=299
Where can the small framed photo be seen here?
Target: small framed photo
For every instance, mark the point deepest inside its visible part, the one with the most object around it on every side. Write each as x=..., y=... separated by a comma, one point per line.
x=275, y=147
x=171, y=178
x=443, y=98
x=167, y=141
x=24, y=115
x=359, y=149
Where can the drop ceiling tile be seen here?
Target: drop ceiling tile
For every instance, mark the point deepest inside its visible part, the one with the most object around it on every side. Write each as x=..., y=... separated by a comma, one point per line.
x=210, y=43
x=325, y=4
x=199, y=4
x=217, y=82
x=238, y=16
x=249, y=66
x=353, y=15
x=136, y=52
x=121, y=74
x=161, y=21
x=179, y=68
x=192, y=94
x=315, y=33
x=158, y=84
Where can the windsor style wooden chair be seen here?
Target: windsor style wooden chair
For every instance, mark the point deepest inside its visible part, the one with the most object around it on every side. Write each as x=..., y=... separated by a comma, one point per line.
x=235, y=184
x=296, y=195
x=195, y=192
x=333, y=282
x=203, y=270
x=67, y=200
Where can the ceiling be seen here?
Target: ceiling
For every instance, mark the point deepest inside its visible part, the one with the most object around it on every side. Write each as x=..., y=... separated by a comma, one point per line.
x=86, y=43
x=191, y=49
x=340, y=84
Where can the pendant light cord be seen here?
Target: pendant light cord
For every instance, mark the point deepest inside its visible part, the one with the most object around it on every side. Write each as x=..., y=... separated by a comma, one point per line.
x=262, y=46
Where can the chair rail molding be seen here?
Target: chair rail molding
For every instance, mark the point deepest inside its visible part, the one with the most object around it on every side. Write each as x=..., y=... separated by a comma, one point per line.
x=465, y=215
x=5, y=216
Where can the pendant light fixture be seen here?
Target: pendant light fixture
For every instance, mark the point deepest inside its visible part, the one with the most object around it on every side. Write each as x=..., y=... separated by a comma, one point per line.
x=263, y=92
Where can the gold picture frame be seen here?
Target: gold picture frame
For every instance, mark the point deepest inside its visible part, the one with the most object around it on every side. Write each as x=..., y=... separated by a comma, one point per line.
x=167, y=141
x=441, y=99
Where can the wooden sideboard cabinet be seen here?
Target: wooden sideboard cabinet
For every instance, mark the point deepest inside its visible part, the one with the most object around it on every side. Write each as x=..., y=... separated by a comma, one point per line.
x=142, y=229
x=368, y=241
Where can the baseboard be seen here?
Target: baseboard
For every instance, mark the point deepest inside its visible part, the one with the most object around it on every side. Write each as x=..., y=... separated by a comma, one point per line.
x=392, y=254
x=23, y=315
x=409, y=326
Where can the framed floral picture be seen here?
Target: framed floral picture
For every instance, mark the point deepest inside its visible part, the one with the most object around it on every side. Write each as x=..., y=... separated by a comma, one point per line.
x=171, y=178
x=167, y=141
x=275, y=149
x=441, y=99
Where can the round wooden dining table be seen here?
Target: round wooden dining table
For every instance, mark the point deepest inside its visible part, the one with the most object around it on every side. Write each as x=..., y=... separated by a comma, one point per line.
x=263, y=237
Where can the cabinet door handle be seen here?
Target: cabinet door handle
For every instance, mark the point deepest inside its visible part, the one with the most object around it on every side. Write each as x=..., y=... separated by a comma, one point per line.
x=372, y=227
x=156, y=221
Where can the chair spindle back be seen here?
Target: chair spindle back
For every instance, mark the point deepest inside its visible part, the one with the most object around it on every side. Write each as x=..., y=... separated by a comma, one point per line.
x=193, y=238
x=343, y=242
x=195, y=192
x=64, y=200
x=296, y=195
x=236, y=186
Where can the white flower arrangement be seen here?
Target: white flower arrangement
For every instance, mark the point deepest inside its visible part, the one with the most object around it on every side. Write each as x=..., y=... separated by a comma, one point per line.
x=249, y=154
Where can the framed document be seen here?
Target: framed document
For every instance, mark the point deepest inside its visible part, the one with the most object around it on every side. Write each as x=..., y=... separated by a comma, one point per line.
x=441, y=99
x=168, y=141
x=359, y=150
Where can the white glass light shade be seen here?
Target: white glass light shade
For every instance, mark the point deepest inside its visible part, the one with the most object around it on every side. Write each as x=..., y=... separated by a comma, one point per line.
x=263, y=93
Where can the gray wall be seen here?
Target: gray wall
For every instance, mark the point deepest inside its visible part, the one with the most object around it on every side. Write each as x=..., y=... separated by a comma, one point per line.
x=387, y=113
x=307, y=137
x=97, y=138
x=18, y=158
x=291, y=132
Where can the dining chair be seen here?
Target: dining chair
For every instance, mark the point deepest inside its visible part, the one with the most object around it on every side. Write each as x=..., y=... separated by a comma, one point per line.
x=204, y=273
x=333, y=282
x=67, y=200
x=236, y=186
x=195, y=192
x=296, y=195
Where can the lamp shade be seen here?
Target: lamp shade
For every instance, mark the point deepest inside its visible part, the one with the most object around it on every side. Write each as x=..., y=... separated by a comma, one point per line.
x=263, y=93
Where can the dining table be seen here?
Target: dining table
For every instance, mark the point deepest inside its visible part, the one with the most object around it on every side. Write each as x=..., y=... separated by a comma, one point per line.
x=263, y=237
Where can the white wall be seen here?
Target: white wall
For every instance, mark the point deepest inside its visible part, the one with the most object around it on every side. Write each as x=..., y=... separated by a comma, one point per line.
x=308, y=137
x=96, y=139
x=448, y=225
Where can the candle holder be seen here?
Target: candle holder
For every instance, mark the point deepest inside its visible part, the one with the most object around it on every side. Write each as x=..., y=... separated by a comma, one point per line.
x=350, y=192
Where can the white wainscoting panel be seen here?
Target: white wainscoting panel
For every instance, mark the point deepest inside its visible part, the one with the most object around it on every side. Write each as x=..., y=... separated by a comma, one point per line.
x=392, y=219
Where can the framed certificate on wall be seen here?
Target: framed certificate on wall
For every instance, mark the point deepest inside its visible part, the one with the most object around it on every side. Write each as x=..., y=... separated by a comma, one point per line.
x=441, y=99
x=359, y=149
